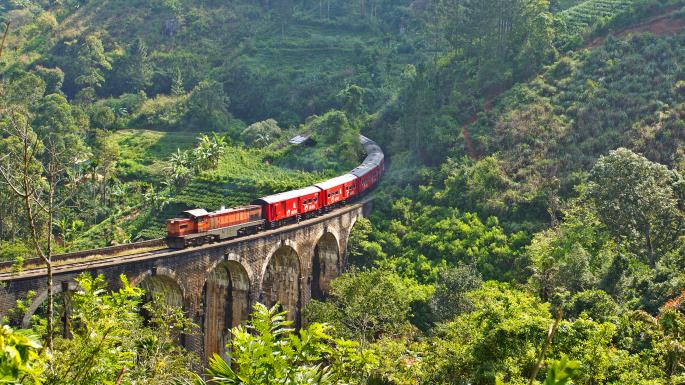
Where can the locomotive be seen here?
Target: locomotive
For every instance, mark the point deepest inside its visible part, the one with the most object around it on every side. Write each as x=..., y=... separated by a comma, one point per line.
x=198, y=227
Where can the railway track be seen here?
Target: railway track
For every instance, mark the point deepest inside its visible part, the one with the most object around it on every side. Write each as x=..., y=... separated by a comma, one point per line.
x=91, y=264
x=81, y=265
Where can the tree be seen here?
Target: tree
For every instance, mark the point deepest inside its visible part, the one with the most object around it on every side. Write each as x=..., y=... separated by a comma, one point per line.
x=261, y=134
x=179, y=169
x=20, y=358
x=572, y=256
x=267, y=351
x=55, y=120
x=105, y=154
x=511, y=42
x=138, y=67
x=109, y=336
x=177, y=88
x=35, y=165
x=131, y=72
x=639, y=202
x=23, y=174
x=209, y=151
x=479, y=185
x=498, y=338
x=207, y=106
x=352, y=100
x=53, y=78
x=26, y=89
x=366, y=305
x=91, y=61
x=361, y=249
x=450, y=297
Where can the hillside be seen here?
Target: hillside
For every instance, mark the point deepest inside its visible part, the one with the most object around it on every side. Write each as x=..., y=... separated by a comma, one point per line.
x=529, y=229
x=285, y=62
x=153, y=81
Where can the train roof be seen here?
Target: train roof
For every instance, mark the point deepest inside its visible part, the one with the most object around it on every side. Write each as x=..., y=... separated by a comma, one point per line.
x=337, y=181
x=284, y=196
x=371, y=161
x=196, y=213
x=224, y=210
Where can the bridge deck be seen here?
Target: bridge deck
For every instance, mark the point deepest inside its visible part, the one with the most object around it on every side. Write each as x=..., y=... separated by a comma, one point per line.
x=80, y=265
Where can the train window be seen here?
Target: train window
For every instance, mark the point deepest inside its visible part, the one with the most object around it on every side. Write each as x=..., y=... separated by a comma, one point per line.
x=183, y=226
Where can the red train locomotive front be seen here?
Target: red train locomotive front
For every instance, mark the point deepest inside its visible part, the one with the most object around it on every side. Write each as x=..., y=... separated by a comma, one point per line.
x=199, y=226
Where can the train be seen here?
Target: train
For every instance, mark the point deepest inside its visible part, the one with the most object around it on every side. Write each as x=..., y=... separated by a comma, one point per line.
x=198, y=227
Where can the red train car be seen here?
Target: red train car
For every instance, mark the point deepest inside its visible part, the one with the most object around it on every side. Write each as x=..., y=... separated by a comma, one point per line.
x=369, y=172
x=199, y=226
x=279, y=208
x=337, y=190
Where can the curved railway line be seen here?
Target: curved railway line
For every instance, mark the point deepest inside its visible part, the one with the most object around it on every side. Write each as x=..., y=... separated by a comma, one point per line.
x=166, y=252
x=368, y=174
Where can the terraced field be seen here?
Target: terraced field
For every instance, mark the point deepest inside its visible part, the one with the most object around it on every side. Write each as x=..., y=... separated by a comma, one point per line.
x=561, y=5
x=581, y=17
x=242, y=176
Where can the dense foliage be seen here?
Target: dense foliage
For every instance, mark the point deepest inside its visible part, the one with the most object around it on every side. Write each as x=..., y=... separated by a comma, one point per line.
x=268, y=351
x=530, y=227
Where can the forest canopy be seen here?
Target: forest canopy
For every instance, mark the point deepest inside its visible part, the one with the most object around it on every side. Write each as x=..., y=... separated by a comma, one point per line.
x=529, y=228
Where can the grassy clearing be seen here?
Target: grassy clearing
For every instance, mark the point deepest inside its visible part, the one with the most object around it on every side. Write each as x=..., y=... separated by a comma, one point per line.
x=144, y=152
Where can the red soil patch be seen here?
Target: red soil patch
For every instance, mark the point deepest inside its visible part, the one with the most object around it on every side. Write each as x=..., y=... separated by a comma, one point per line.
x=487, y=107
x=660, y=25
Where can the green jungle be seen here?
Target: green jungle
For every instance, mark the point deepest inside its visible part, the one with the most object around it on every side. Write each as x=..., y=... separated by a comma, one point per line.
x=529, y=228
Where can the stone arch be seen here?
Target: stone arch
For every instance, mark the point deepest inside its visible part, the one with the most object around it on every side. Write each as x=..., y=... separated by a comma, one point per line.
x=165, y=285
x=344, y=242
x=326, y=265
x=225, y=304
x=39, y=300
x=281, y=281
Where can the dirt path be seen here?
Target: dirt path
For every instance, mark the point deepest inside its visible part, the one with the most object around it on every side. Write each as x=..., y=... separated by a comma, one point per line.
x=661, y=24
x=487, y=107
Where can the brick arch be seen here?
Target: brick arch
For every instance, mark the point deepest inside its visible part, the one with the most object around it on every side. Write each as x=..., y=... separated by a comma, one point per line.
x=281, y=281
x=228, y=257
x=35, y=304
x=225, y=304
x=162, y=279
x=326, y=264
x=276, y=246
x=343, y=242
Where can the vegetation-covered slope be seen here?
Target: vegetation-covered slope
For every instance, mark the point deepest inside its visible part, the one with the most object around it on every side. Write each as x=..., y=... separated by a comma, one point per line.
x=285, y=61
x=535, y=177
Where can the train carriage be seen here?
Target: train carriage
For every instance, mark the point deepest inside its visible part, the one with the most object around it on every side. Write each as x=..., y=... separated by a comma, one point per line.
x=279, y=208
x=369, y=172
x=337, y=190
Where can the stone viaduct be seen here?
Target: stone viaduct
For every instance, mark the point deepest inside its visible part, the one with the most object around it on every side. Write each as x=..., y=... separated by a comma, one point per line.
x=217, y=284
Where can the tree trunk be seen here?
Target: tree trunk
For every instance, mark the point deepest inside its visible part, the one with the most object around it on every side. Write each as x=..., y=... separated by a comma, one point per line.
x=650, y=247
x=28, y=194
x=4, y=37
x=48, y=256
